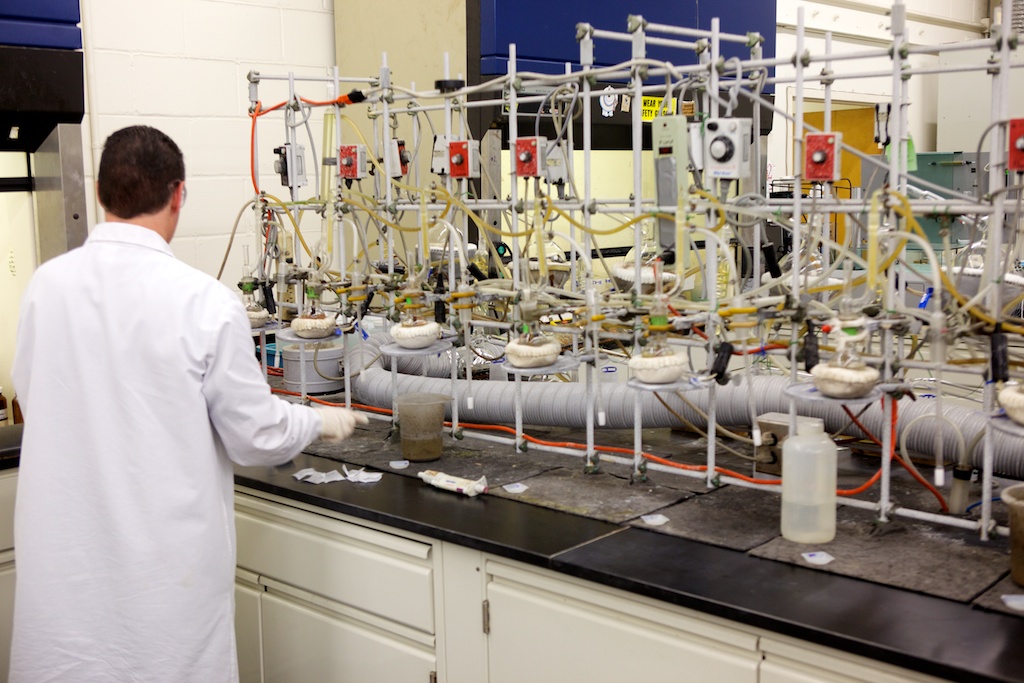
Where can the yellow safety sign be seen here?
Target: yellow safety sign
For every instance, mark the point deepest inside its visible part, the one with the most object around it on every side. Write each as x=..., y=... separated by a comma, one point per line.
x=652, y=105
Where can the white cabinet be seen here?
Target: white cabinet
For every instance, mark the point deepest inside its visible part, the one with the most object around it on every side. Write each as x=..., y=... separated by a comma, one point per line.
x=324, y=599
x=8, y=484
x=6, y=616
x=8, y=487
x=546, y=629
x=333, y=598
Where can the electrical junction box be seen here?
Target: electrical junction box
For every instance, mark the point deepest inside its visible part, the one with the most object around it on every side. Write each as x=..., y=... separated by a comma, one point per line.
x=352, y=162
x=399, y=158
x=439, y=163
x=774, y=430
x=293, y=174
x=531, y=156
x=821, y=156
x=727, y=148
x=556, y=170
x=464, y=158
x=1015, y=161
x=670, y=139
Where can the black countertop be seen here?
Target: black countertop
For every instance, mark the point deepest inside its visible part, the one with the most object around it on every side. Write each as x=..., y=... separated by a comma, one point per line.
x=919, y=632
x=10, y=446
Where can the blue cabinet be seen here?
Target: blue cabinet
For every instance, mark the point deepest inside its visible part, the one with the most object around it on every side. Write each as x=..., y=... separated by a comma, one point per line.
x=545, y=32
x=40, y=23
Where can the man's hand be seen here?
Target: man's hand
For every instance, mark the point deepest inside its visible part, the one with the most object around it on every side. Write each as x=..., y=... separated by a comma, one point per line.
x=339, y=423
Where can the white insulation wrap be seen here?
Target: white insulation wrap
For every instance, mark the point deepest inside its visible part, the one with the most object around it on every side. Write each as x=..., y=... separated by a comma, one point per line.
x=564, y=404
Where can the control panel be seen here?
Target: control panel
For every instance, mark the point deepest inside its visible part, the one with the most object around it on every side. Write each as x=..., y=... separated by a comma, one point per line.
x=727, y=148
x=352, y=162
x=821, y=156
x=464, y=158
x=531, y=156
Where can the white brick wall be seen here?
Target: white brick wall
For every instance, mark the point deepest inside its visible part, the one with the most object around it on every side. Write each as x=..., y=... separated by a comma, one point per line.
x=180, y=66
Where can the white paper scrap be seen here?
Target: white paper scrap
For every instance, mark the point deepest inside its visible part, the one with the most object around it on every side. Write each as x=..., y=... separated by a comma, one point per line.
x=317, y=478
x=517, y=487
x=398, y=464
x=818, y=557
x=361, y=477
x=1014, y=602
x=302, y=474
x=333, y=475
x=655, y=519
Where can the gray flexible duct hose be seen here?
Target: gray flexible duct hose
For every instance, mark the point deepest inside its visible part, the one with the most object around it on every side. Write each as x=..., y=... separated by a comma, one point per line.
x=564, y=404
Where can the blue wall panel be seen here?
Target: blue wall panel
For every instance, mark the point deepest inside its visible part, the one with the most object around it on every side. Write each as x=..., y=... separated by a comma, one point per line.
x=545, y=32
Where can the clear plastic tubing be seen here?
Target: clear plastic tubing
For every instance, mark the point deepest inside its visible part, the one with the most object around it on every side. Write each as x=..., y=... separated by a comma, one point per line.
x=809, y=485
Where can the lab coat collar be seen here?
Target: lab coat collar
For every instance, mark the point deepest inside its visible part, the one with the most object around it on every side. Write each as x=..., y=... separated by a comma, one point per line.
x=129, y=233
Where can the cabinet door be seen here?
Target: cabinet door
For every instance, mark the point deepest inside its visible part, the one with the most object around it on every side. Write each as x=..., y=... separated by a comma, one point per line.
x=544, y=635
x=301, y=643
x=6, y=617
x=379, y=573
x=247, y=634
x=8, y=487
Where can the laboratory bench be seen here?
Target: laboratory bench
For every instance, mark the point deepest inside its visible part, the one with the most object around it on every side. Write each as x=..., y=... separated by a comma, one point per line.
x=806, y=625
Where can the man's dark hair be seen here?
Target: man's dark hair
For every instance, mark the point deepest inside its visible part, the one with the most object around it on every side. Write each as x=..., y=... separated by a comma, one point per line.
x=139, y=170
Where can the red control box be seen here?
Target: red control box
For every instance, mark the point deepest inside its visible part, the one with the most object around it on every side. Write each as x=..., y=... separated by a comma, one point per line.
x=821, y=156
x=352, y=162
x=464, y=158
x=1015, y=160
x=530, y=153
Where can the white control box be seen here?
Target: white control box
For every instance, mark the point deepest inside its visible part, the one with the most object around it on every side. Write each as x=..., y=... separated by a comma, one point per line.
x=439, y=162
x=727, y=145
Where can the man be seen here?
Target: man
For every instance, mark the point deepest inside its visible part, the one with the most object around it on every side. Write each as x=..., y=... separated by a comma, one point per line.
x=139, y=388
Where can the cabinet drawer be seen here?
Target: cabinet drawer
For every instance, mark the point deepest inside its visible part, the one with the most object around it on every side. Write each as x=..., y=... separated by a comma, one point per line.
x=8, y=484
x=301, y=644
x=375, y=572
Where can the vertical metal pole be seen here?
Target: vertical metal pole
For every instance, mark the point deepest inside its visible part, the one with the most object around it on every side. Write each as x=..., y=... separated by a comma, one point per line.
x=798, y=150
x=639, y=52
x=994, y=260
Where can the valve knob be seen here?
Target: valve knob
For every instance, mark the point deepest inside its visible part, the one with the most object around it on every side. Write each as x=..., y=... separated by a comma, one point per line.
x=819, y=157
x=721, y=148
x=1019, y=144
x=457, y=160
x=525, y=157
x=347, y=161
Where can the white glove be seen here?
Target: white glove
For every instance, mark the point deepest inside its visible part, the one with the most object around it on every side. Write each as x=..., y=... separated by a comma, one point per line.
x=339, y=423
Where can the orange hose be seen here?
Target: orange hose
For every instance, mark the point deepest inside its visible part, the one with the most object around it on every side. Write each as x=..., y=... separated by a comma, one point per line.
x=252, y=149
x=924, y=482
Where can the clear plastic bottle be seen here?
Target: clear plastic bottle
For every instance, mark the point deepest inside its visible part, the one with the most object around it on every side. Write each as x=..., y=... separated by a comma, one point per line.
x=809, y=485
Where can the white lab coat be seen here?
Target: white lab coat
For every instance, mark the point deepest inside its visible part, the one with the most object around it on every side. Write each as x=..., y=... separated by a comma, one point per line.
x=139, y=385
